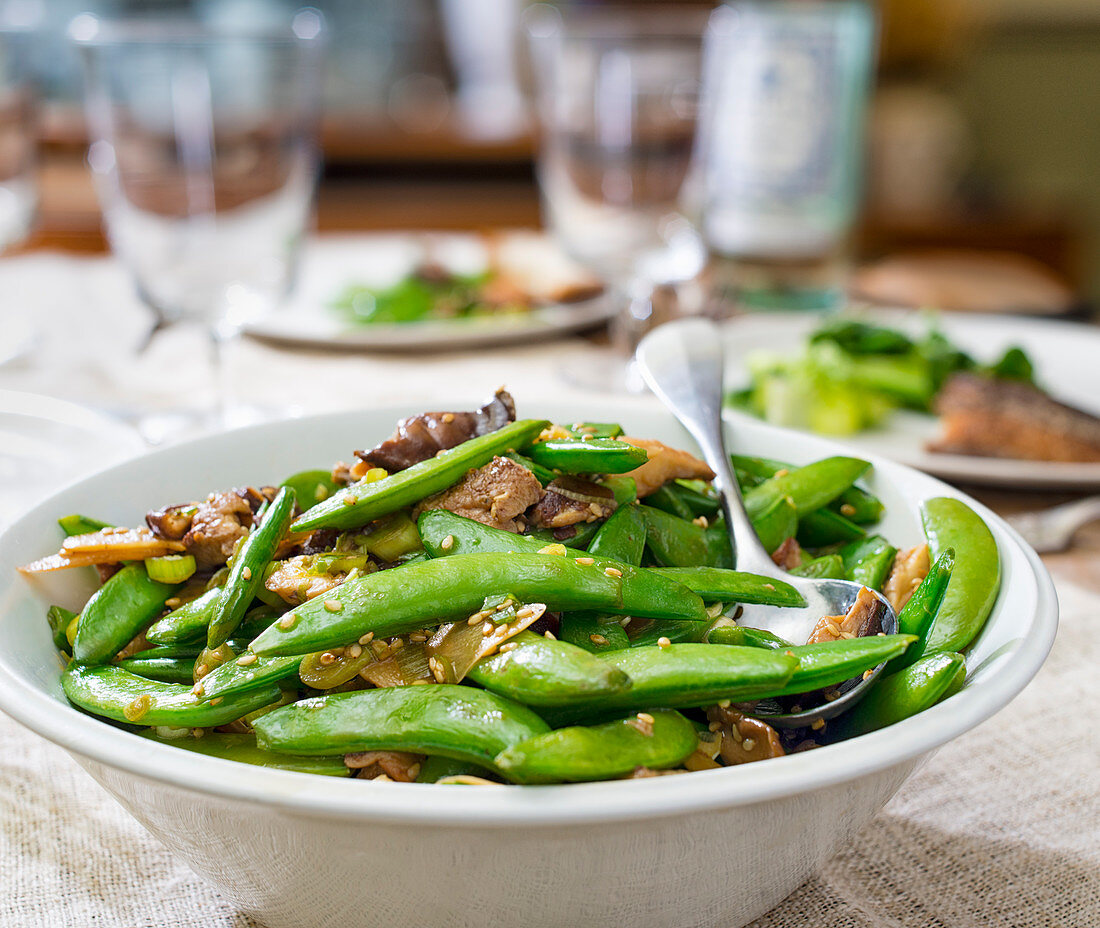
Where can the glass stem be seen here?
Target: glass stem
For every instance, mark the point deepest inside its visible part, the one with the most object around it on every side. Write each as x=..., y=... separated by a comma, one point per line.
x=220, y=339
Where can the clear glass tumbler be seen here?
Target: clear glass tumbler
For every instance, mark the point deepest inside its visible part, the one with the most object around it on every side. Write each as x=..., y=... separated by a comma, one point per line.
x=204, y=151
x=18, y=187
x=617, y=92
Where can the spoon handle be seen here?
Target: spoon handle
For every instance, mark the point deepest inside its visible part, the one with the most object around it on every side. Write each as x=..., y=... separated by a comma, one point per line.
x=683, y=364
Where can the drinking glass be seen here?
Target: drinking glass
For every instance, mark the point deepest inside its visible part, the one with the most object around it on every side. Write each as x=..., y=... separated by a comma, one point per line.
x=617, y=93
x=203, y=149
x=18, y=190
x=785, y=85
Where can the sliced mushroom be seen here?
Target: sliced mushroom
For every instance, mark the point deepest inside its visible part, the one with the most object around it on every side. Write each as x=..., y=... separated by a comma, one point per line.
x=744, y=739
x=863, y=618
x=910, y=568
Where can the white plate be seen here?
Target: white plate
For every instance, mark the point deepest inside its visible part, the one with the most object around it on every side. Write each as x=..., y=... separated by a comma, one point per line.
x=1064, y=354
x=45, y=443
x=331, y=264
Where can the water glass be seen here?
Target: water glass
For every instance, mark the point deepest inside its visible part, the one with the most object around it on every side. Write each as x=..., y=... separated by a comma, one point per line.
x=203, y=148
x=785, y=86
x=617, y=93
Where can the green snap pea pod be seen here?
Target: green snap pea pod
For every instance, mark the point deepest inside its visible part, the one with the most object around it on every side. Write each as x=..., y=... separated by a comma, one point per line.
x=361, y=503
x=809, y=487
x=747, y=637
x=697, y=502
x=824, y=527
x=683, y=675
x=406, y=598
x=593, y=631
x=77, y=524
x=917, y=615
x=436, y=768
x=715, y=584
x=868, y=561
x=775, y=523
x=854, y=503
x=544, y=474
x=246, y=576
x=625, y=489
x=540, y=671
x=596, y=456
x=459, y=722
x=188, y=623
x=231, y=678
x=719, y=551
x=311, y=486
x=657, y=739
x=117, y=612
x=116, y=694
x=443, y=533
x=596, y=430
x=976, y=579
x=60, y=618
x=622, y=537
x=831, y=662
x=667, y=501
x=918, y=687
x=829, y=566
x=582, y=535
x=674, y=542
x=647, y=633
x=242, y=748
x=163, y=669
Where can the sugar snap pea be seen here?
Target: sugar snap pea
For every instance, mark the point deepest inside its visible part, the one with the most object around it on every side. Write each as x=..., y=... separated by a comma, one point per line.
x=854, y=503
x=698, y=503
x=809, y=487
x=656, y=739
x=594, y=631
x=828, y=566
x=443, y=534
x=868, y=561
x=311, y=486
x=683, y=675
x=716, y=584
x=595, y=429
x=187, y=623
x=674, y=542
x=646, y=633
x=775, y=523
x=117, y=612
x=540, y=671
x=719, y=550
x=976, y=578
x=246, y=575
x=233, y=677
x=748, y=637
x=664, y=499
x=594, y=456
x=917, y=616
x=242, y=748
x=77, y=524
x=623, y=488
x=544, y=474
x=824, y=527
x=622, y=537
x=361, y=503
x=125, y=697
x=459, y=722
x=436, y=768
x=900, y=695
x=60, y=619
x=165, y=669
x=391, y=602
x=831, y=662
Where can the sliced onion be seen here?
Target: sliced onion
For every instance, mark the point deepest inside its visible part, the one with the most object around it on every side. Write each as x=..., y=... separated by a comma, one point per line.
x=582, y=491
x=460, y=645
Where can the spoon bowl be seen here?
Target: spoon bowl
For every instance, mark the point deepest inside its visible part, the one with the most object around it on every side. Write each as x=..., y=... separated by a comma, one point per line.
x=683, y=363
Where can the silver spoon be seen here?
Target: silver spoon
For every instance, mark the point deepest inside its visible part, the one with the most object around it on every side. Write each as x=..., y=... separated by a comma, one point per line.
x=683, y=364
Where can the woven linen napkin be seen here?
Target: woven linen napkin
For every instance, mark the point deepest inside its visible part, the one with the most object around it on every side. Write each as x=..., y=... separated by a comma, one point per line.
x=998, y=829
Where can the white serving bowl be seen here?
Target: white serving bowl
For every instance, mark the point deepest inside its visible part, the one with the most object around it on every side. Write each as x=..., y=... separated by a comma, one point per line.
x=718, y=847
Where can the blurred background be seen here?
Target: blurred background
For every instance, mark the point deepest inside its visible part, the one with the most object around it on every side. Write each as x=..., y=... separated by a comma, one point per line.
x=983, y=132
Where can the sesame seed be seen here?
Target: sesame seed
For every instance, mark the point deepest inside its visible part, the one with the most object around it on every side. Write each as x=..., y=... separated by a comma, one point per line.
x=664, y=642
x=550, y=635
x=748, y=744
x=201, y=670
x=769, y=586
x=487, y=629
x=448, y=417
x=701, y=521
x=508, y=646
x=867, y=673
x=327, y=658
x=349, y=500
x=597, y=640
x=817, y=724
x=586, y=561
x=136, y=710
x=216, y=700
x=723, y=703
x=287, y=621
x=367, y=638
x=646, y=717
x=624, y=621
x=782, y=472
x=172, y=602
x=245, y=659
x=333, y=605
x=612, y=571
x=418, y=637
x=198, y=732
x=355, y=651
x=250, y=675
x=714, y=726
x=555, y=548
x=447, y=543
x=247, y=573
x=847, y=509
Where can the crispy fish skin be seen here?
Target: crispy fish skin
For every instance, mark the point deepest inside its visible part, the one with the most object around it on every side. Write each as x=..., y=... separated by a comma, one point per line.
x=1008, y=419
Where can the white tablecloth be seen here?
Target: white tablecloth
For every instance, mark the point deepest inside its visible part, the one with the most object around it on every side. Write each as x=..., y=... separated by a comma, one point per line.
x=998, y=829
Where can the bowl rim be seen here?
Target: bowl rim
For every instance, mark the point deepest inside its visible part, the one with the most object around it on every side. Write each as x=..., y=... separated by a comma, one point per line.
x=571, y=804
